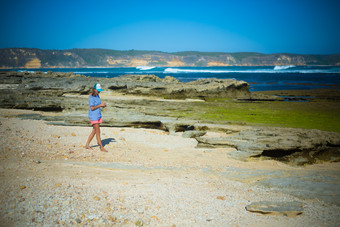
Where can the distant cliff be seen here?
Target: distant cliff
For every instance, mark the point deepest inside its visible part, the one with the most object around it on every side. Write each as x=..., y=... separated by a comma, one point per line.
x=75, y=58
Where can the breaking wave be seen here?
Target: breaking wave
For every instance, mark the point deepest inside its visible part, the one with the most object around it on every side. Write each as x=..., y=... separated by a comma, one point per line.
x=22, y=71
x=276, y=69
x=175, y=70
x=282, y=67
x=90, y=72
x=142, y=67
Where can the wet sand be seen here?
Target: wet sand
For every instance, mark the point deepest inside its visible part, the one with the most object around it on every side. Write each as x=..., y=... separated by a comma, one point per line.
x=148, y=177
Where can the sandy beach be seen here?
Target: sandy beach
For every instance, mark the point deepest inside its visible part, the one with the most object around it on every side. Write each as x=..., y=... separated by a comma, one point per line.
x=147, y=178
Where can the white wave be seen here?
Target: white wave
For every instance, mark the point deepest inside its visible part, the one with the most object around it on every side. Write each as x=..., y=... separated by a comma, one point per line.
x=89, y=72
x=171, y=70
x=282, y=67
x=274, y=71
x=22, y=71
x=142, y=67
x=316, y=71
x=175, y=70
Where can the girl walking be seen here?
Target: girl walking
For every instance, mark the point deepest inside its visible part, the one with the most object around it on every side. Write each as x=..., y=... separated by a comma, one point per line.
x=95, y=116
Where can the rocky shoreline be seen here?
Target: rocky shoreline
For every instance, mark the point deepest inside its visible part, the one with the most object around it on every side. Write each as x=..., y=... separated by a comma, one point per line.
x=142, y=101
x=135, y=101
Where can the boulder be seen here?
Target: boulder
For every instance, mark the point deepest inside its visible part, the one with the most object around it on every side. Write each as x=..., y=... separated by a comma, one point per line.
x=289, y=209
x=170, y=79
x=193, y=134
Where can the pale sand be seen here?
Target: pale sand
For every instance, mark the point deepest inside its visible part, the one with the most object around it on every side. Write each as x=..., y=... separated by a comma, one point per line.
x=148, y=176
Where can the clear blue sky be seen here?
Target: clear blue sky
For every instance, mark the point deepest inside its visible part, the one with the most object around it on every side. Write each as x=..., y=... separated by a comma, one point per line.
x=267, y=26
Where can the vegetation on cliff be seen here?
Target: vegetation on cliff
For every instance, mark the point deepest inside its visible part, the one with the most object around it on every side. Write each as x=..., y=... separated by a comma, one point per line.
x=37, y=58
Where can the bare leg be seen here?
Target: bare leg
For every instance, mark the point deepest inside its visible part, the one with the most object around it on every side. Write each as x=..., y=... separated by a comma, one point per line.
x=87, y=146
x=97, y=128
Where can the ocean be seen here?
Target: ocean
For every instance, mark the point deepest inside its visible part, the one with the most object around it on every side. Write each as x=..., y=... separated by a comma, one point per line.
x=260, y=78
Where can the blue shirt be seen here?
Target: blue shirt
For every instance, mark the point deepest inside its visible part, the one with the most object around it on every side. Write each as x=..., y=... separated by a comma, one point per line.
x=94, y=115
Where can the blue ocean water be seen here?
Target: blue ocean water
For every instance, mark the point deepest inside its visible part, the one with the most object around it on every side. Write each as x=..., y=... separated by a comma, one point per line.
x=260, y=78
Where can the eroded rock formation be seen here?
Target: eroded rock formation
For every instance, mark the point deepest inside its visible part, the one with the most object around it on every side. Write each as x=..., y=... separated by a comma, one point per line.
x=49, y=91
x=290, y=145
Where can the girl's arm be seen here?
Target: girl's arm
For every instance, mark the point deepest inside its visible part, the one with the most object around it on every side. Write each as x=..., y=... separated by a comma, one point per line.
x=100, y=105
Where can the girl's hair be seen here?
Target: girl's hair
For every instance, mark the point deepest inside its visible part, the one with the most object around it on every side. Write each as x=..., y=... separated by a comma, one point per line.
x=92, y=93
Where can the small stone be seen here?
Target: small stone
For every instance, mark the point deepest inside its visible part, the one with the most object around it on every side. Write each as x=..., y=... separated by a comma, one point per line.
x=91, y=217
x=139, y=223
x=155, y=218
x=78, y=220
x=140, y=211
x=112, y=219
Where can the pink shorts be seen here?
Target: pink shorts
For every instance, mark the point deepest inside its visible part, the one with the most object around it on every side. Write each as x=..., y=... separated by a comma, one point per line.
x=97, y=122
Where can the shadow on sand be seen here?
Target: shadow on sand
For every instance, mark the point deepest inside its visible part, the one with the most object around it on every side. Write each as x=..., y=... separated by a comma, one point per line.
x=105, y=142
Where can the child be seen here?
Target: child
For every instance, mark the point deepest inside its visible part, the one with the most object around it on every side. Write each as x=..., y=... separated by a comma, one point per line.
x=95, y=116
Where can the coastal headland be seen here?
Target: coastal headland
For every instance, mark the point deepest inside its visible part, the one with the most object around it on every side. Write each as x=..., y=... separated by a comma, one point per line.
x=207, y=152
x=85, y=58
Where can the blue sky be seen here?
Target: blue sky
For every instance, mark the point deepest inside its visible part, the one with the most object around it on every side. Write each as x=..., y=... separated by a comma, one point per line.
x=266, y=26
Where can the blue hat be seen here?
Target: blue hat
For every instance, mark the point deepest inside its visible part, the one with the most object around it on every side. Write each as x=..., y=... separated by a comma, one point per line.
x=98, y=87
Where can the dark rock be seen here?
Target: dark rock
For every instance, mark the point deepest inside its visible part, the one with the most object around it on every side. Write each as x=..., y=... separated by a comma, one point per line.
x=214, y=142
x=178, y=126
